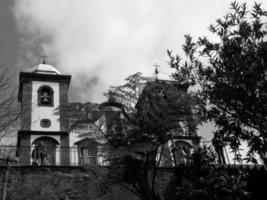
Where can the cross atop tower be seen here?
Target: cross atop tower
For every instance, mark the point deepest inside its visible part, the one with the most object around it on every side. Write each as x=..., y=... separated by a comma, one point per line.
x=156, y=70
x=44, y=59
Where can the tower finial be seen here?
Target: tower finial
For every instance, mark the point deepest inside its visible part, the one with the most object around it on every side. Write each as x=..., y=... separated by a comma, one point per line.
x=156, y=70
x=44, y=59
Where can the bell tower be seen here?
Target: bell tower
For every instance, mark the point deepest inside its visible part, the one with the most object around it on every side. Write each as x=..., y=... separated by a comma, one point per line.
x=42, y=90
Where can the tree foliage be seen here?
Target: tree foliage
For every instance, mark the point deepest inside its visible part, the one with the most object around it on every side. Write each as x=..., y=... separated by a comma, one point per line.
x=204, y=180
x=159, y=110
x=231, y=70
x=161, y=107
x=135, y=173
x=128, y=93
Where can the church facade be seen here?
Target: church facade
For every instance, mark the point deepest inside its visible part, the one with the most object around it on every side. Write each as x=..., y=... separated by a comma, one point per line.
x=45, y=133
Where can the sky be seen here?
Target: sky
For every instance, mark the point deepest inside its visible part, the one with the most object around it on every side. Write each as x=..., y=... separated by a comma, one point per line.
x=101, y=42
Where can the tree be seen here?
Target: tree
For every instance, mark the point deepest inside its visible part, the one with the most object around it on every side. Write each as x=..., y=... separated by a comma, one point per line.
x=128, y=94
x=231, y=71
x=9, y=110
x=204, y=179
x=160, y=108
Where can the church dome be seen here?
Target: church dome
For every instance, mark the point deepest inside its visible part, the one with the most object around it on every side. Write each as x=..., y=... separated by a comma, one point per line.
x=44, y=69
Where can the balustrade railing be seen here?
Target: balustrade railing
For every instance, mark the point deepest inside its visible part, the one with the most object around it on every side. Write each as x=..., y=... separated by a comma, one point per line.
x=78, y=156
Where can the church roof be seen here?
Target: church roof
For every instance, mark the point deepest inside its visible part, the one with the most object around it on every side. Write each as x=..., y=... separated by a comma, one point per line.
x=44, y=69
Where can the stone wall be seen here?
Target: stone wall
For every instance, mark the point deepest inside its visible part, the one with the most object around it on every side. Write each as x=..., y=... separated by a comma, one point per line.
x=65, y=183
x=80, y=183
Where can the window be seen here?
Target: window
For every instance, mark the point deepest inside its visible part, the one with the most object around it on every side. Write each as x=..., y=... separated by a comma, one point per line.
x=45, y=123
x=45, y=96
x=87, y=156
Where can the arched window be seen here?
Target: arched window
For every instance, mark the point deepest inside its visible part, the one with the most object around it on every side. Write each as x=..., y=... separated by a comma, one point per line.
x=45, y=96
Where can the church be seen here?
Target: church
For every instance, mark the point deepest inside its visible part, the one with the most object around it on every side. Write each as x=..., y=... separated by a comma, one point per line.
x=42, y=91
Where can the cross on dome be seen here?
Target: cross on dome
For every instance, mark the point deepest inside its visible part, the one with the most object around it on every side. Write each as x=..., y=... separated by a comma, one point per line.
x=44, y=57
x=44, y=68
x=156, y=69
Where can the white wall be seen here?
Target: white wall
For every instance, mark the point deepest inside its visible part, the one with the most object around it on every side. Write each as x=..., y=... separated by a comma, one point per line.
x=39, y=113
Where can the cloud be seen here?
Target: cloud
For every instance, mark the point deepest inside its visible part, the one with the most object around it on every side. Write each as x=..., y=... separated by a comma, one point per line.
x=101, y=42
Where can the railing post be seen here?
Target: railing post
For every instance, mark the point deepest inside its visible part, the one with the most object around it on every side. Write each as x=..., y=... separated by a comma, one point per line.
x=7, y=160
